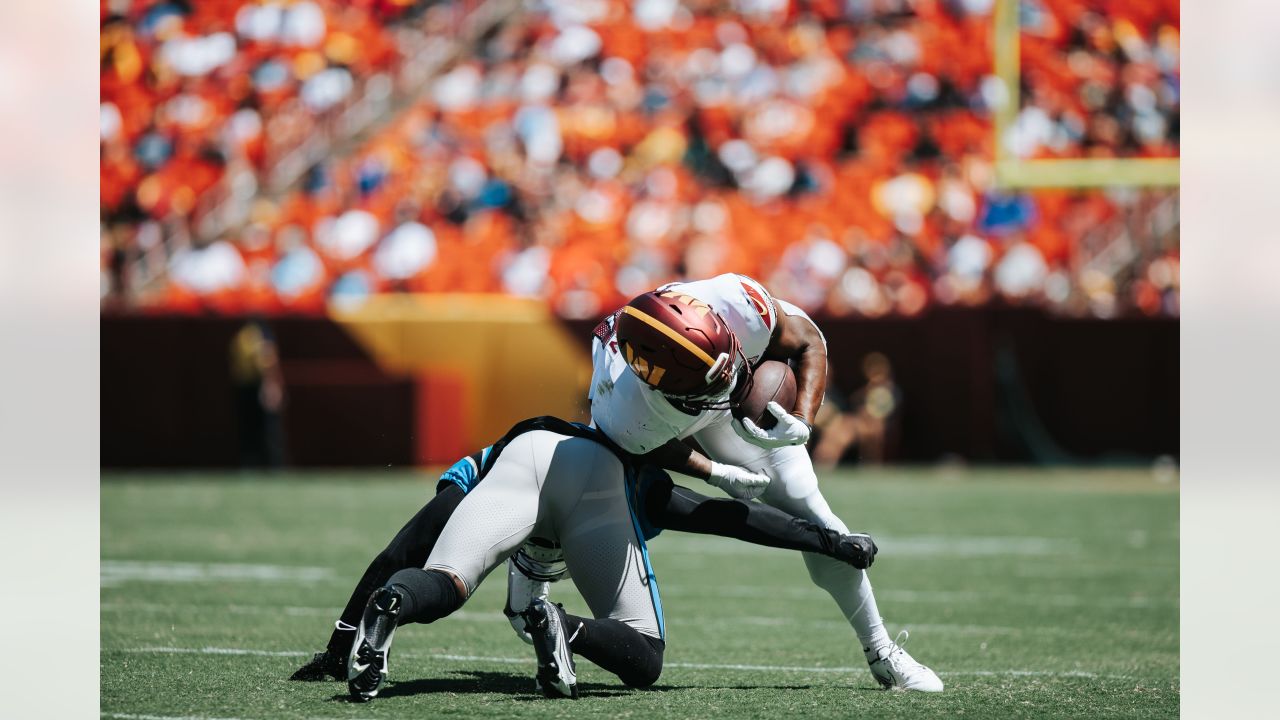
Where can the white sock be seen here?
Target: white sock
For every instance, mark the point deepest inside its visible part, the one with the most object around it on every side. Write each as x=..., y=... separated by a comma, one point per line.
x=851, y=589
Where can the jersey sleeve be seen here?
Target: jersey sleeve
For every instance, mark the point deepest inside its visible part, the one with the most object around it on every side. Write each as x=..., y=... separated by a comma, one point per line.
x=466, y=472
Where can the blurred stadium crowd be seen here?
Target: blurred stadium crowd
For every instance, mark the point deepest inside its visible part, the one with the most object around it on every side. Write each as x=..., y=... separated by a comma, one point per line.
x=587, y=150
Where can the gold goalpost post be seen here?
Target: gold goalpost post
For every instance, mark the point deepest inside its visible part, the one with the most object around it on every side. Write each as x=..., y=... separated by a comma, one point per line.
x=1015, y=172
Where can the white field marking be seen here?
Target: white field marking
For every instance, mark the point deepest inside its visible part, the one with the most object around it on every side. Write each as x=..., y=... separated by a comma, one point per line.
x=680, y=665
x=906, y=545
x=920, y=596
x=730, y=620
x=135, y=716
x=218, y=651
x=1039, y=673
x=234, y=609
x=1038, y=599
x=293, y=610
x=716, y=620
x=1091, y=571
x=115, y=572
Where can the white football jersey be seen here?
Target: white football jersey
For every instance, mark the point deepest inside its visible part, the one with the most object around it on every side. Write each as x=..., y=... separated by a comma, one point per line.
x=639, y=418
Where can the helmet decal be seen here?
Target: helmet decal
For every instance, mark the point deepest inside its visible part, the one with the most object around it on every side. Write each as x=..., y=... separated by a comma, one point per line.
x=677, y=337
x=651, y=374
x=699, y=307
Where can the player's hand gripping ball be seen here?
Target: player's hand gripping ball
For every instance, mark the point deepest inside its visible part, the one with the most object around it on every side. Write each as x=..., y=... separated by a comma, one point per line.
x=764, y=416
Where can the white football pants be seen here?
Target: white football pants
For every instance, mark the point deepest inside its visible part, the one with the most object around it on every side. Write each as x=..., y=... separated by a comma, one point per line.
x=794, y=489
x=568, y=490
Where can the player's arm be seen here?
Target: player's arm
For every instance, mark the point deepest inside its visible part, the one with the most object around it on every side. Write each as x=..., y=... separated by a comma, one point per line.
x=675, y=507
x=797, y=338
x=677, y=456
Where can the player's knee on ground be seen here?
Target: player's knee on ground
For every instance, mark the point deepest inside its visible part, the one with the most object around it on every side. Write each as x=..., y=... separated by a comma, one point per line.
x=647, y=667
x=636, y=658
x=428, y=595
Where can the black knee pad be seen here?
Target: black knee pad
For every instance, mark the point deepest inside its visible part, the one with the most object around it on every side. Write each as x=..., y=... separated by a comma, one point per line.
x=647, y=668
x=428, y=595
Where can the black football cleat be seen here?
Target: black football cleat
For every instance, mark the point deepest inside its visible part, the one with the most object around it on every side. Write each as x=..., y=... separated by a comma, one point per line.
x=549, y=628
x=367, y=665
x=324, y=666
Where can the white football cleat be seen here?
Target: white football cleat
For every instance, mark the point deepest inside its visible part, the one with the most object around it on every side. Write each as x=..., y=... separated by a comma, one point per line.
x=894, y=669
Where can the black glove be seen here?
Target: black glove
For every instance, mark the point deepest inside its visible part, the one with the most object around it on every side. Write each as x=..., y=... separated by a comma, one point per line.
x=857, y=549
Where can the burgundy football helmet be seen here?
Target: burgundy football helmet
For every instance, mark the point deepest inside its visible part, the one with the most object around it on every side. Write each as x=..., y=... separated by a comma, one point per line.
x=678, y=345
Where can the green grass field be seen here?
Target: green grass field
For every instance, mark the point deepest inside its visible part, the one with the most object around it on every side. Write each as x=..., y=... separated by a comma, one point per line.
x=1032, y=594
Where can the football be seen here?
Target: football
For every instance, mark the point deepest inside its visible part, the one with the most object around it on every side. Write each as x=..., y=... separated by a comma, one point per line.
x=771, y=381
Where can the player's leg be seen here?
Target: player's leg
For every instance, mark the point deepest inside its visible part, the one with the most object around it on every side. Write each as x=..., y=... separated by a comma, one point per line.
x=668, y=506
x=605, y=554
x=664, y=505
x=487, y=526
x=794, y=489
x=409, y=548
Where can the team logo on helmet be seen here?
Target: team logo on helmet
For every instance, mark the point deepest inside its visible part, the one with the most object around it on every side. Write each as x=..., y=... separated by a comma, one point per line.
x=649, y=372
x=698, y=306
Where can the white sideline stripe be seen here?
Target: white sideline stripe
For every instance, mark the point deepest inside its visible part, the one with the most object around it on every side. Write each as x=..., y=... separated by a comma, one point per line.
x=300, y=611
x=136, y=716
x=968, y=546
x=495, y=618
x=920, y=596
x=114, y=572
x=234, y=609
x=1053, y=599
x=799, y=668
x=680, y=665
x=218, y=651
x=133, y=716
x=773, y=621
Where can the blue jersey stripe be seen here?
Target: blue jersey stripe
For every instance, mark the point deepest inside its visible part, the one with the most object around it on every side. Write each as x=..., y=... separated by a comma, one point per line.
x=650, y=577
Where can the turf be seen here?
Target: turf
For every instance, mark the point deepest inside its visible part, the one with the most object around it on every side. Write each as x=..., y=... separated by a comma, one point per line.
x=1032, y=593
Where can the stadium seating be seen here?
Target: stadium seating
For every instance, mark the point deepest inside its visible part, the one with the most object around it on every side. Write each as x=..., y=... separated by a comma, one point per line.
x=593, y=149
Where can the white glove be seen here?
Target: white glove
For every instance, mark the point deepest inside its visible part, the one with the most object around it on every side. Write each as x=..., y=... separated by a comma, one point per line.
x=790, y=429
x=739, y=482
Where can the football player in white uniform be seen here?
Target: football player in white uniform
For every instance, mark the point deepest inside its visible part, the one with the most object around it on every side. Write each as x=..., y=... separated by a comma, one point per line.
x=662, y=375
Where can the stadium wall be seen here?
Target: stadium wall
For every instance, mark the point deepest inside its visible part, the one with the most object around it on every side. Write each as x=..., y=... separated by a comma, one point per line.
x=985, y=385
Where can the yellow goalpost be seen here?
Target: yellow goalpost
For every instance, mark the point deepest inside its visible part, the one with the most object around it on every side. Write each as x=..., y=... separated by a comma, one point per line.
x=1014, y=172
